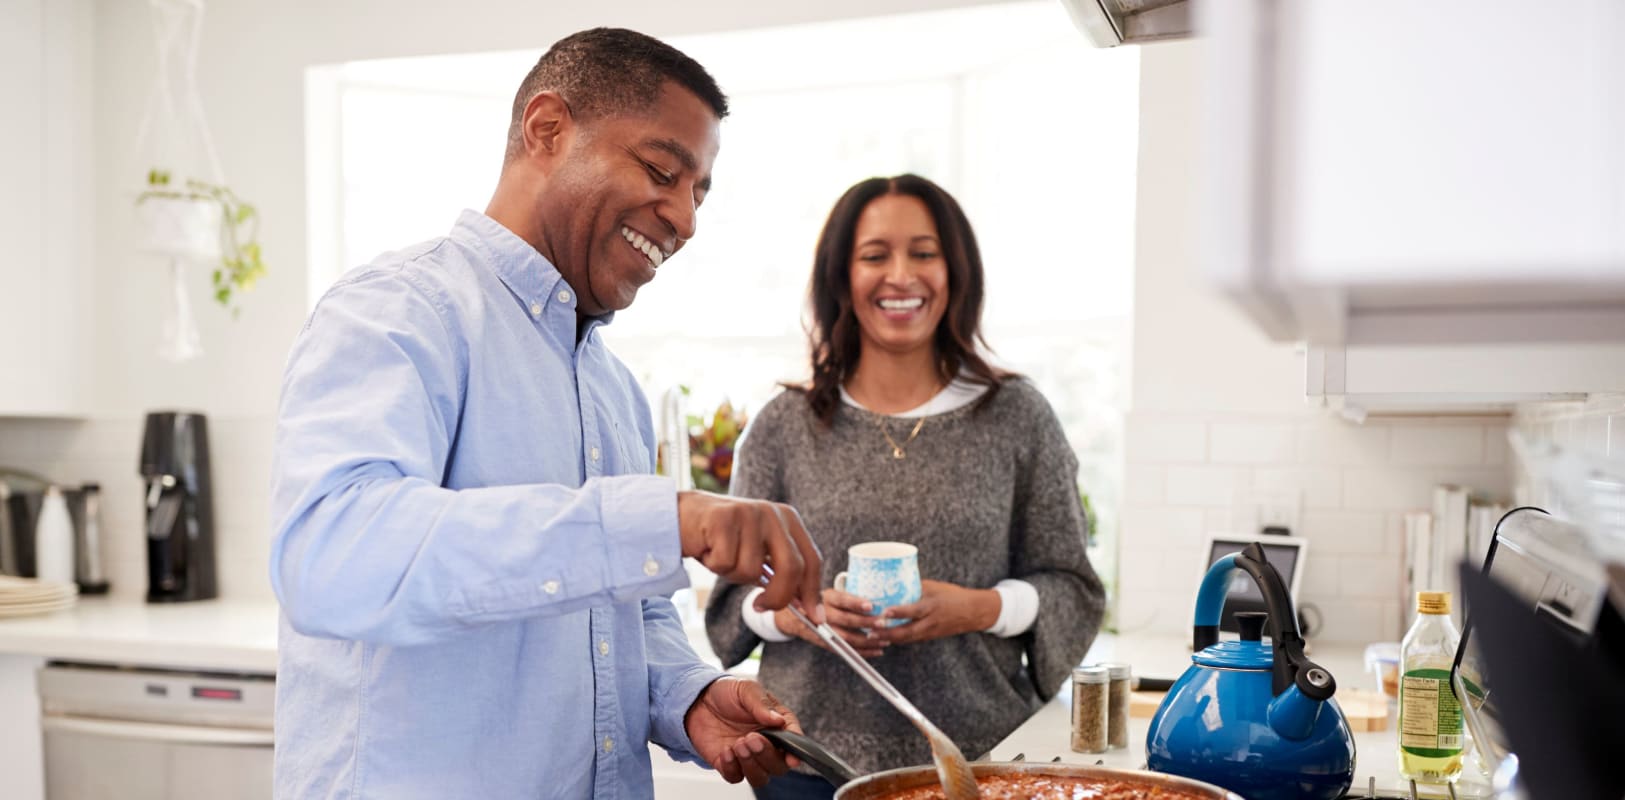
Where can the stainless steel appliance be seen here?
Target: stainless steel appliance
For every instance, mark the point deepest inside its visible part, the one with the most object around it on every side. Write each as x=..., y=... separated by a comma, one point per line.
x=21, y=495
x=1541, y=668
x=89, y=571
x=180, y=508
x=136, y=734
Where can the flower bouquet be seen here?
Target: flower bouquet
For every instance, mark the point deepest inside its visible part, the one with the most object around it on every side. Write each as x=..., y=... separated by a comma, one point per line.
x=711, y=447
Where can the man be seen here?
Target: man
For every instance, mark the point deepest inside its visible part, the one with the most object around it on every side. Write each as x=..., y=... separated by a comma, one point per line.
x=472, y=561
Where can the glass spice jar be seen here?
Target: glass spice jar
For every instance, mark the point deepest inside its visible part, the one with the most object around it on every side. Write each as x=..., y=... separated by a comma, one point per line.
x=1119, y=693
x=1089, y=705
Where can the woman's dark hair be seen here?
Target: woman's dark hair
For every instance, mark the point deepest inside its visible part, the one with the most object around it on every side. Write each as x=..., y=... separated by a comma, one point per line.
x=834, y=335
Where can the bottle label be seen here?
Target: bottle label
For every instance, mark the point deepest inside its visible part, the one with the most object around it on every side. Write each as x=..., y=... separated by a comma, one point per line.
x=1429, y=716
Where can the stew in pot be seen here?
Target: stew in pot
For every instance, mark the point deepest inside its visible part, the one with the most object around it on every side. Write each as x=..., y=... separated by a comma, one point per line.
x=1048, y=787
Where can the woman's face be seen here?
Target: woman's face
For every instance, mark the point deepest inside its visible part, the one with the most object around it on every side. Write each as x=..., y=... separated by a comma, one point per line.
x=899, y=277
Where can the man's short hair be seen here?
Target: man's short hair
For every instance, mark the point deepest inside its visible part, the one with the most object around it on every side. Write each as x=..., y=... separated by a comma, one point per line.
x=610, y=72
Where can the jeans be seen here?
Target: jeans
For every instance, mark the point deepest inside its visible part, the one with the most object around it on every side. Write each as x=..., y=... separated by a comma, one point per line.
x=796, y=786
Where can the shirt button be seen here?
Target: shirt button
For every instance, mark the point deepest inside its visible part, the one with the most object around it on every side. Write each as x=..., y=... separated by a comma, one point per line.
x=551, y=587
x=594, y=454
x=564, y=296
x=609, y=744
x=603, y=648
x=651, y=568
x=535, y=309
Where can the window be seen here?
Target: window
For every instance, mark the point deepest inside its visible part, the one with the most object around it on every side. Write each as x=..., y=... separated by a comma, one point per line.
x=1007, y=106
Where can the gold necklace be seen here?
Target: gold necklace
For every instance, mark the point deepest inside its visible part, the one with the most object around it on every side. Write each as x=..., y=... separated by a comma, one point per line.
x=897, y=449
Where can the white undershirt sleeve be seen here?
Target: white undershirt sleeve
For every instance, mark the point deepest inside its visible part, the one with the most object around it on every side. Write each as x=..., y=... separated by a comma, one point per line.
x=762, y=624
x=1018, y=608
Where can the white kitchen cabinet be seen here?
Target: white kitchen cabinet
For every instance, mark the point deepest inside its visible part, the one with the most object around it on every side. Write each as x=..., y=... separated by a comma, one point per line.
x=1431, y=195
x=45, y=199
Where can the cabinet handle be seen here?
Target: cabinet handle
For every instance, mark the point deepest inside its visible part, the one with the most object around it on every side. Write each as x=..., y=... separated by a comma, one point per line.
x=159, y=731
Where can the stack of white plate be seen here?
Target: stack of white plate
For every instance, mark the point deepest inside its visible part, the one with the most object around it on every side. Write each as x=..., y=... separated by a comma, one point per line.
x=23, y=596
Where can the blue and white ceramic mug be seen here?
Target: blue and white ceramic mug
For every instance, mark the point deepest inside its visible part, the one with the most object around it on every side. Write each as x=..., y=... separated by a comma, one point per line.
x=884, y=573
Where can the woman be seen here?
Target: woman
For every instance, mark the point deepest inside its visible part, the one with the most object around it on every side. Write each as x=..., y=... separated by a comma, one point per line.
x=906, y=433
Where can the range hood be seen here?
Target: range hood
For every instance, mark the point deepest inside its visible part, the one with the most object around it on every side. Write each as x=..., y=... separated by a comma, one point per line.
x=1109, y=23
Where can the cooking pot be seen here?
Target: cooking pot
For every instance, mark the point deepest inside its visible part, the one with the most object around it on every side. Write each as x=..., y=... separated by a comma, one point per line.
x=882, y=785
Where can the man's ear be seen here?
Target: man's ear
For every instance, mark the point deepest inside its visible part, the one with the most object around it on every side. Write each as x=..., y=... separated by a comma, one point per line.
x=545, y=125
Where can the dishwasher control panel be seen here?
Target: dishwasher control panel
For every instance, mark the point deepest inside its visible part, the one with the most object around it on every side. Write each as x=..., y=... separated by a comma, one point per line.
x=240, y=700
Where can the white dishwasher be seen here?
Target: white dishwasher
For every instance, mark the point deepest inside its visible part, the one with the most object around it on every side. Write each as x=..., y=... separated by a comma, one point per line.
x=147, y=734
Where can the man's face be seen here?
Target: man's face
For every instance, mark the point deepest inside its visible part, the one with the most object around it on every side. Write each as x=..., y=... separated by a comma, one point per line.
x=623, y=200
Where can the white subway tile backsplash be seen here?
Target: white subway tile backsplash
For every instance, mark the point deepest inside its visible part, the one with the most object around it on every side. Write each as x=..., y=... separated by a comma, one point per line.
x=1331, y=441
x=1375, y=577
x=1616, y=436
x=1153, y=612
x=1251, y=443
x=1205, y=485
x=1442, y=445
x=1315, y=487
x=1355, y=621
x=1322, y=577
x=1191, y=476
x=1144, y=484
x=1158, y=440
x=1160, y=530
x=1335, y=533
x=1396, y=488
x=1156, y=572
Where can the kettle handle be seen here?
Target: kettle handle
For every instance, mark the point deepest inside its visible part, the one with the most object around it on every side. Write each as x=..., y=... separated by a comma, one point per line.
x=1290, y=662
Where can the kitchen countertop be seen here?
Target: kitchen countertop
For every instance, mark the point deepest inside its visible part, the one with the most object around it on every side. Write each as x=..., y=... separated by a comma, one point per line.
x=1048, y=734
x=220, y=635
x=226, y=635
x=241, y=636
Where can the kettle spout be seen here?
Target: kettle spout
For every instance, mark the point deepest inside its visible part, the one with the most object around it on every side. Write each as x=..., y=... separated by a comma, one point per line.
x=1293, y=714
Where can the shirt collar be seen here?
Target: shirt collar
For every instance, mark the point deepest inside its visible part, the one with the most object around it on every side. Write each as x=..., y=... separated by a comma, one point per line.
x=521, y=267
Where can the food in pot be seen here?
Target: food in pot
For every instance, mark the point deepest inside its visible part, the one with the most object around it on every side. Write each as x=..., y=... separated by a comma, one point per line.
x=1052, y=787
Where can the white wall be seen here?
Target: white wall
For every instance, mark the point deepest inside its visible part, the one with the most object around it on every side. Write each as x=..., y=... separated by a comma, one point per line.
x=1217, y=414
x=251, y=76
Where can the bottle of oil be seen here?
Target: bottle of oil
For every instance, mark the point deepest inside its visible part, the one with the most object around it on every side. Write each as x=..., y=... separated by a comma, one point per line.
x=1430, y=729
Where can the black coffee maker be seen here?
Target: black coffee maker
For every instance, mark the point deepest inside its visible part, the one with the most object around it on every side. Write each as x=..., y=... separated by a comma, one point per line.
x=180, y=508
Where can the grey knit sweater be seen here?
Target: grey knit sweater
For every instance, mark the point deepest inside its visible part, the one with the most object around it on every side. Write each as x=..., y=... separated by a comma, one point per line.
x=986, y=494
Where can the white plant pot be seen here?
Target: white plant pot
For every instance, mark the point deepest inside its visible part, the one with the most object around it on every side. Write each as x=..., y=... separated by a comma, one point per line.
x=180, y=228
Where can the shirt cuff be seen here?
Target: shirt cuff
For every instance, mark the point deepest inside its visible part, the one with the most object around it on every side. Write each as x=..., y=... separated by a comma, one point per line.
x=1018, y=608
x=669, y=714
x=639, y=514
x=761, y=622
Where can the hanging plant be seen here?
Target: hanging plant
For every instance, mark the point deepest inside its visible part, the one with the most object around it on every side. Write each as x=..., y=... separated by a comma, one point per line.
x=201, y=218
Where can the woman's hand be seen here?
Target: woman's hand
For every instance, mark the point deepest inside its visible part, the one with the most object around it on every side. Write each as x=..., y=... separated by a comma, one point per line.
x=944, y=609
x=847, y=614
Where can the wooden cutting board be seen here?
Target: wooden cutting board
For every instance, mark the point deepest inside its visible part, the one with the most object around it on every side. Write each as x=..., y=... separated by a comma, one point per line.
x=1366, y=710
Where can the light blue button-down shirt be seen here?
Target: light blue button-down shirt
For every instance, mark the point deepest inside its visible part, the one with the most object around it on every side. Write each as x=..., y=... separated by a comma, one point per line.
x=472, y=559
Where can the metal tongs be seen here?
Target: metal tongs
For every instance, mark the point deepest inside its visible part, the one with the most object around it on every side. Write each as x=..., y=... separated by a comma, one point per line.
x=958, y=782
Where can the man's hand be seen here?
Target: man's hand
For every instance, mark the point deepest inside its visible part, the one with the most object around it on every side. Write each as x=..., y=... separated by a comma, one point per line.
x=734, y=537
x=848, y=616
x=723, y=722
x=944, y=609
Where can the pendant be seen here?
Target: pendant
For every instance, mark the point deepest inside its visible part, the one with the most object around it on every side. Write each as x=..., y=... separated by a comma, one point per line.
x=897, y=452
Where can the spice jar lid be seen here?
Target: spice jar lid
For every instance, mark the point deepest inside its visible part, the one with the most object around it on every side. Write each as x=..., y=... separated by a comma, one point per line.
x=1091, y=674
x=1118, y=671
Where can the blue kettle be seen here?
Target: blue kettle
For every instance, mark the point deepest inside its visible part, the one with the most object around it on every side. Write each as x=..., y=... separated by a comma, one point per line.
x=1254, y=718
